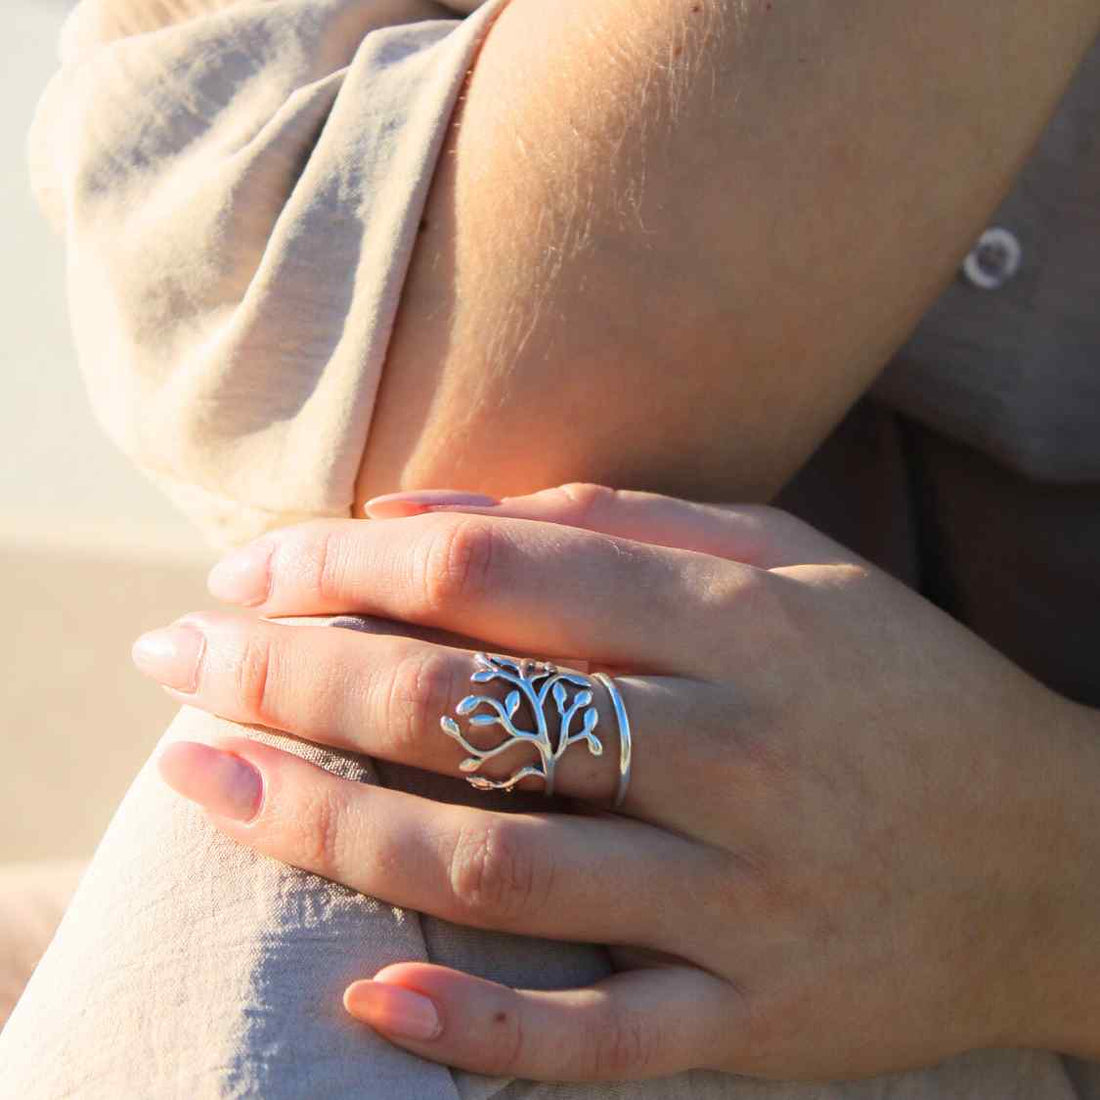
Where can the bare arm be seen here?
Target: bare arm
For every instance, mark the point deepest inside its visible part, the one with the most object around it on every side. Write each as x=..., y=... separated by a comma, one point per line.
x=670, y=242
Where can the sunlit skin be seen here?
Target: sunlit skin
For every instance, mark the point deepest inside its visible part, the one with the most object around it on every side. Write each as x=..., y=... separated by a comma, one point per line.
x=669, y=243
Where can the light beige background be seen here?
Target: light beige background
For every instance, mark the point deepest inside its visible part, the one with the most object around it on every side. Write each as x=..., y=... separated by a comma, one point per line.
x=90, y=554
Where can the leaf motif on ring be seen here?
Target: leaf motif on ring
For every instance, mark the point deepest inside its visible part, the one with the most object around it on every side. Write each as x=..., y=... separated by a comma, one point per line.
x=532, y=682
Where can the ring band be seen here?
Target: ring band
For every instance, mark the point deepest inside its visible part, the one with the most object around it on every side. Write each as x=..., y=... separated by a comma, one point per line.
x=542, y=691
x=625, y=744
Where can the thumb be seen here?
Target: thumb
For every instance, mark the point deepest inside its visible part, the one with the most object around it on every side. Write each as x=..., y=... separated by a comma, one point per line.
x=631, y=1026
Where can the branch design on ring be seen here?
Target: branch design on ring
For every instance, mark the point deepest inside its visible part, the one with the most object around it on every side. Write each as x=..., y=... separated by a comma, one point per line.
x=533, y=683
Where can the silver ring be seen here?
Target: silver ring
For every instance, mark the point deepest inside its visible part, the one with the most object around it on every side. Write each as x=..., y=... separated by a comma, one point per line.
x=625, y=745
x=546, y=708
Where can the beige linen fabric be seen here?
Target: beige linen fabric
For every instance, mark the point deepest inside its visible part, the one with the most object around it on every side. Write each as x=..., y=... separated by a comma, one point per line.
x=239, y=185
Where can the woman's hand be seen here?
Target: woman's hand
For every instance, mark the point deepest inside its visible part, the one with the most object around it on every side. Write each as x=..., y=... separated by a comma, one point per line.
x=856, y=839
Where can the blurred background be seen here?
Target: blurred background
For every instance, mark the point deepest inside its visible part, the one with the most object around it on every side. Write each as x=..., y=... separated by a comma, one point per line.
x=90, y=554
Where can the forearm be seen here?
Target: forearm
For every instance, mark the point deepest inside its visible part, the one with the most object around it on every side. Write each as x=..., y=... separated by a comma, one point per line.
x=669, y=244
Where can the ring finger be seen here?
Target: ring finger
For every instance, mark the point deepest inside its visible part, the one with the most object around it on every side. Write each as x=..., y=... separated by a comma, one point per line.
x=385, y=697
x=558, y=875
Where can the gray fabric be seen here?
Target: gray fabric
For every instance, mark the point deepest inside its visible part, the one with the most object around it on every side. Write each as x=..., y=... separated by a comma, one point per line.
x=1014, y=559
x=1015, y=372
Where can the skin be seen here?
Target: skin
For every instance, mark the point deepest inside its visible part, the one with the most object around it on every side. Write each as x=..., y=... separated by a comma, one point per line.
x=669, y=243
x=888, y=832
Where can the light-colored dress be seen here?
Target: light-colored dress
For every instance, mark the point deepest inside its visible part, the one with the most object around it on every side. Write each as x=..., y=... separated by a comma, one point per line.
x=240, y=185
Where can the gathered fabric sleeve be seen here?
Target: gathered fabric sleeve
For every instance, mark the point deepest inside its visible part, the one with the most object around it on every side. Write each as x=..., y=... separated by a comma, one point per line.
x=239, y=185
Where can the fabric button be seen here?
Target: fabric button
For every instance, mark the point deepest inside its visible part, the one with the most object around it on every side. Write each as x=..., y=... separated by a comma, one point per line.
x=994, y=260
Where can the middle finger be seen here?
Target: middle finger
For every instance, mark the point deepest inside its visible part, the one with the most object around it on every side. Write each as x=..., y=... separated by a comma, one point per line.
x=385, y=696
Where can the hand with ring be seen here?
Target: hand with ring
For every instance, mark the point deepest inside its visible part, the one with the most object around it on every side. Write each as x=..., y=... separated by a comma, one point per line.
x=855, y=839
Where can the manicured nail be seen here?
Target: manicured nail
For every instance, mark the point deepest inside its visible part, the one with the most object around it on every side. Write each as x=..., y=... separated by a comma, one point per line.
x=220, y=782
x=393, y=1010
x=414, y=503
x=243, y=577
x=171, y=656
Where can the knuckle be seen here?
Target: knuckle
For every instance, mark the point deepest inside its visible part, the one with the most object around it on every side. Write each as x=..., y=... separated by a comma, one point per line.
x=421, y=690
x=255, y=675
x=310, y=561
x=767, y=763
x=753, y=759
x=324, y=559
x=850, y=573
x=457, y=564
x=622, y=1047
x=586, y=499
x=493, y=876
x=320, y=836
x=752, y=887
x=741, y=593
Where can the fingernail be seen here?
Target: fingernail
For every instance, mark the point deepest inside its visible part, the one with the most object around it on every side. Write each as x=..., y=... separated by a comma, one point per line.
x=171, y=656
x=396, y=505
x=220, y=782
x=243, y=577
x=393, y=1010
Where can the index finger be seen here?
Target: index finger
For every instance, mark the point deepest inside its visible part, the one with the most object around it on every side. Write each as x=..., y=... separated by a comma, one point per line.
x=524, y=586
